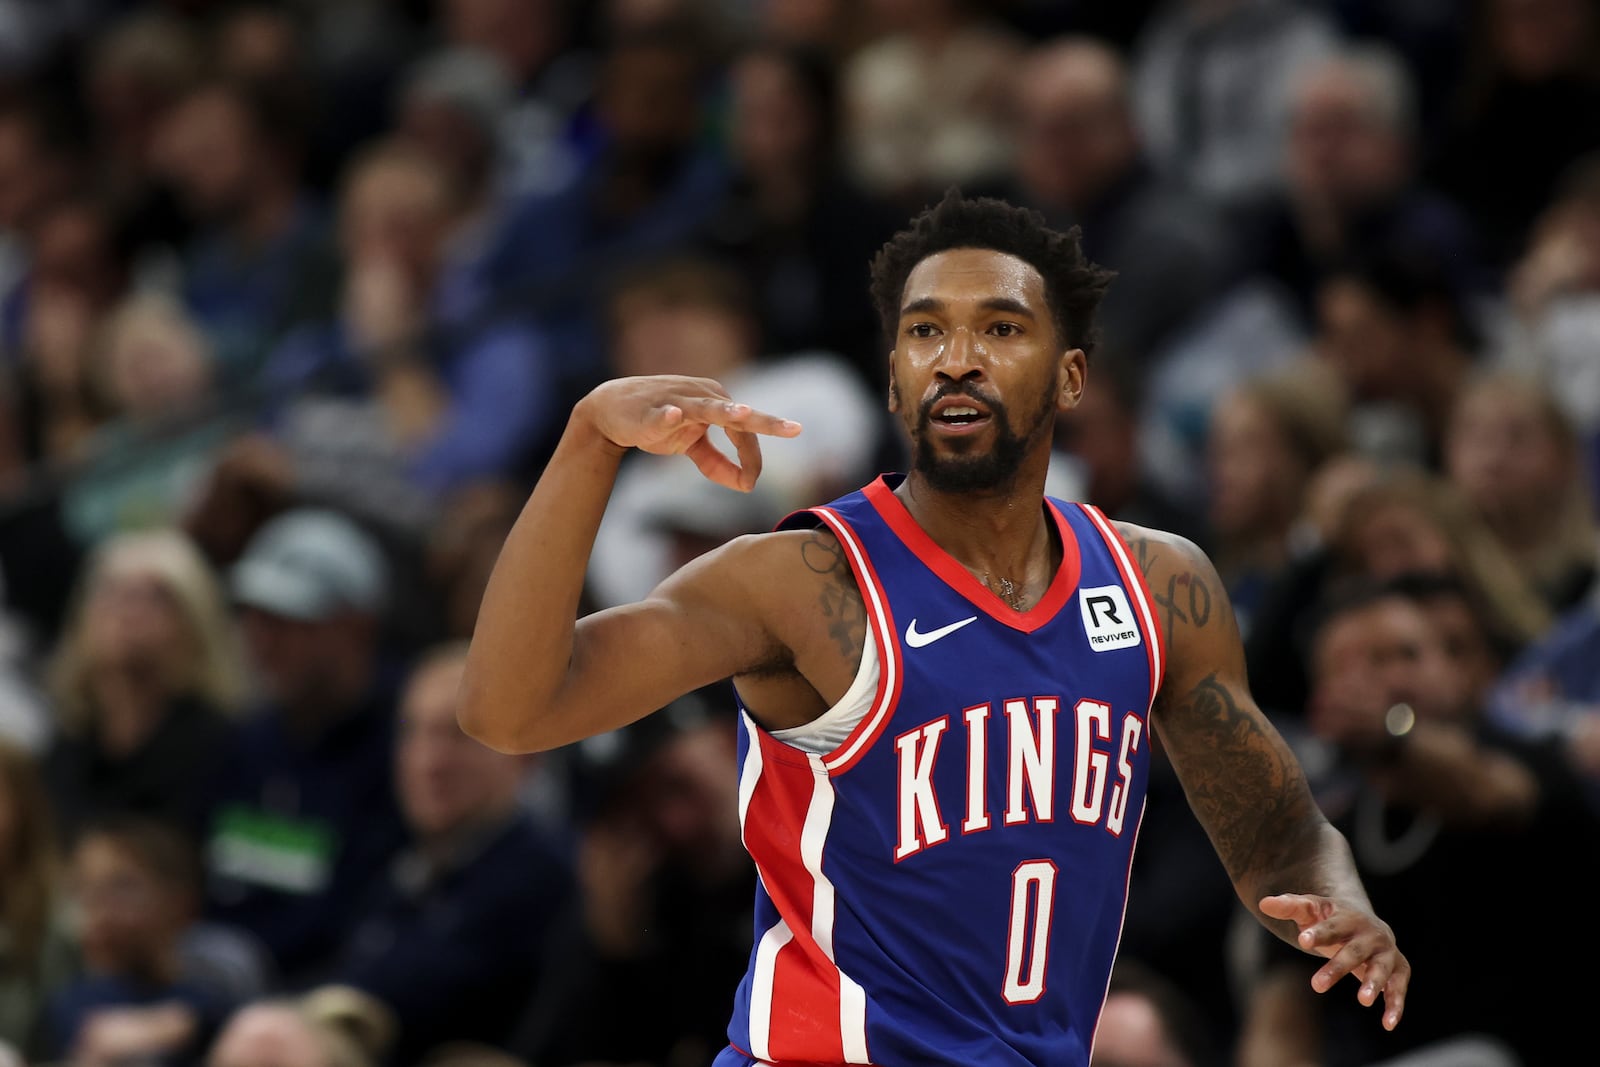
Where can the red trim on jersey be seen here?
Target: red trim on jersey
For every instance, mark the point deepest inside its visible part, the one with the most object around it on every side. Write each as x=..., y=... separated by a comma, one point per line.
x=1133, y=579
x=958, y=578
x=880, y=618
x=805, y=1024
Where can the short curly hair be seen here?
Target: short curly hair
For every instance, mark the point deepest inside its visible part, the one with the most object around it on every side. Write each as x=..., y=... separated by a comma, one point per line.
x=1073, y=285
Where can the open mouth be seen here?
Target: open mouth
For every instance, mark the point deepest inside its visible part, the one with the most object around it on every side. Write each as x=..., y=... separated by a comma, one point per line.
x=959, y=417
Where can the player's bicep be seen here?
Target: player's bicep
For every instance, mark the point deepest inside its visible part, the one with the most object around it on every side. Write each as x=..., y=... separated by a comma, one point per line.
x=698, y=627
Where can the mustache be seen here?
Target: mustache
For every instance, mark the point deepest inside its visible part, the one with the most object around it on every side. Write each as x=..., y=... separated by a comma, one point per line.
x=966, y=389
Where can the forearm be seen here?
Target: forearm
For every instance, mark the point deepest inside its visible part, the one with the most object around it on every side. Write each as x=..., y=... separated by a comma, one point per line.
x=523, y=641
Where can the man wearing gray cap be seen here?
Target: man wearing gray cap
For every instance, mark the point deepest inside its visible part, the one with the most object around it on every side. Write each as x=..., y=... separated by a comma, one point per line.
x=304, y=812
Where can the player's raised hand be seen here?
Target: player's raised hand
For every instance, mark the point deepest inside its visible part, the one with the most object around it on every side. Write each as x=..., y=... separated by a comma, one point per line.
x=1354, y=941
x=672, y=415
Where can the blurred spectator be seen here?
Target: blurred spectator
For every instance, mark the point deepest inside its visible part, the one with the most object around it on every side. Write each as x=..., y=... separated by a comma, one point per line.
x=153, y=369
x=834, y=28
x=662, y=928
x=462, y=546
x=303, y=817
x=1529, y=105
x=327, y=1027
x=135, y=884
x=549, y=79
x=453, y=938
x=145, y=675
x=1267, y=440
x=405, y=407
x=1429, y=795
x=1516, y=460
x=81, y=262
x=36, y=953
x=234, y=153
x=1350, y=179
x=1394, y=324
x=1211, y=88
x=1554, y=296
x=649, y=188
x=1101, y=435
x=1409, y=522
x=451, y=109
x=136, y=72
x=793, y=223
x=1147, y=1021
x=1080, y=161
x=39, y=159
x=924, y=102
x=1552, y=689
x=696, y=318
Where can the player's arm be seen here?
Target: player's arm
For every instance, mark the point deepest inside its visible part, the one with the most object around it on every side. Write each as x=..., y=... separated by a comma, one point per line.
x=1290, y=867
x=536, y=677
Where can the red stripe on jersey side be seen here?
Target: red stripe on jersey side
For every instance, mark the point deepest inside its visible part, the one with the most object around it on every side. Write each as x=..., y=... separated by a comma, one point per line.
x=961, y=580
x=1133, y=581
x=881, y=620
x=804, y=1023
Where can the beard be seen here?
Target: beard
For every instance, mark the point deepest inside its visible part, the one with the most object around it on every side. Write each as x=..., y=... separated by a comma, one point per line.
x=975, y=471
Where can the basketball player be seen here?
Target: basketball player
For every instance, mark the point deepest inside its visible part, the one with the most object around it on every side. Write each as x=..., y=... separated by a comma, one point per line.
x=948, y=686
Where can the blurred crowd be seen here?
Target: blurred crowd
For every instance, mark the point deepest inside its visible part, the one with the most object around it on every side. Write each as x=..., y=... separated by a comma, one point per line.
x=295, y=297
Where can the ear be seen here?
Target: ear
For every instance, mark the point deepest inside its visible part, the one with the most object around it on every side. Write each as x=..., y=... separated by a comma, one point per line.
x=894, y=388
x=1074, y=373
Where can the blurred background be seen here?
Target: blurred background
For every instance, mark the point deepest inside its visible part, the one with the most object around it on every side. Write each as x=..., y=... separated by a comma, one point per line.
x=295, y=298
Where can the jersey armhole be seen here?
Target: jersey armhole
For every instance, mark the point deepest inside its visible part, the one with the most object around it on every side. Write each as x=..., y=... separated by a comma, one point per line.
x=880, y=629
x=1133, y=579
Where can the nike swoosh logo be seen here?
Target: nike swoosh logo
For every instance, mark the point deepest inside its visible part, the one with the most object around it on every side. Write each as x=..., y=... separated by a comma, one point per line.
x=917, y=640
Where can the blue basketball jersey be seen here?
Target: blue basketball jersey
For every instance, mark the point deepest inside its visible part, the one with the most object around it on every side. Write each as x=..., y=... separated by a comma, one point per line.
x=948, y=885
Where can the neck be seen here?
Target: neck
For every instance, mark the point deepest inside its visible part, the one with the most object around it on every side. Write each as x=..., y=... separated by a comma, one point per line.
x=130, y=705
x=1001, y=536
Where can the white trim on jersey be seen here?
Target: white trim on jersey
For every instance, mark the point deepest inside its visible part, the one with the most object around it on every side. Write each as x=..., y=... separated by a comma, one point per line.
x=878, y=617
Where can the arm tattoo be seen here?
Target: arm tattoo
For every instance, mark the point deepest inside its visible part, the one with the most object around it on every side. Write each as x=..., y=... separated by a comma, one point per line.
x=1243, y=783
x=840, y=599
x=1186, y=595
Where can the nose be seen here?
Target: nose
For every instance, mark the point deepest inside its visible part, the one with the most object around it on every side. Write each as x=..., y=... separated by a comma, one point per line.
x=961, y=357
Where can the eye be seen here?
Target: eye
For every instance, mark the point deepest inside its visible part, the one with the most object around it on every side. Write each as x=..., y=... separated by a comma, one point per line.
x=922, y=329
x=1005, y=329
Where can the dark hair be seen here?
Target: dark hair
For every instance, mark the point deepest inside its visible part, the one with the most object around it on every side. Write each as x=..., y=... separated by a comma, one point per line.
x=1408, y=280
x=1073, y=285
x=813, y=72
x=162, y=849
x=686, y=281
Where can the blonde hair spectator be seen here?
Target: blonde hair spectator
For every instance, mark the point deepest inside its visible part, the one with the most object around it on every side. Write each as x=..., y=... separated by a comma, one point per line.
x=1515, y=457
x=152, y=361
x=1410, y=521
x=204, y=658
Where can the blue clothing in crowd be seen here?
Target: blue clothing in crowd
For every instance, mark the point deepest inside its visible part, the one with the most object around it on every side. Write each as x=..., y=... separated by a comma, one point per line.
x=72, y=1006
x=301, y=827
x=456, y=948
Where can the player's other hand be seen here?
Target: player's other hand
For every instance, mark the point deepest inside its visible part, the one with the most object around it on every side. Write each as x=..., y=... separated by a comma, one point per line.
x=1354, y=941
x=671, y=415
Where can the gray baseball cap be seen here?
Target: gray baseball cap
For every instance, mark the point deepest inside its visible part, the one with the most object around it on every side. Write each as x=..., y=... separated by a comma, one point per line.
x=311, y=564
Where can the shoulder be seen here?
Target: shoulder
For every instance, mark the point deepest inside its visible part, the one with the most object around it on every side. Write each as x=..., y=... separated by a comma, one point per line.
x=1196, y=619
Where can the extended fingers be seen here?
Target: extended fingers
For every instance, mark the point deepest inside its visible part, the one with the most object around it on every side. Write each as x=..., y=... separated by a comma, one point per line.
x=1394, y=992
x=731, y=415
x=1300, y=908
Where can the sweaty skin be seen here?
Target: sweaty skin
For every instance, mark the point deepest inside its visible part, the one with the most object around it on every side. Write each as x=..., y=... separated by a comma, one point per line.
x=781, y=613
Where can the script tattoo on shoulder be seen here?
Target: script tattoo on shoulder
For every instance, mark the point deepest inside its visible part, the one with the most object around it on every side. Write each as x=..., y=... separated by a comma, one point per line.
x=1243, y=783
x=1182, y=592
x=840, y=598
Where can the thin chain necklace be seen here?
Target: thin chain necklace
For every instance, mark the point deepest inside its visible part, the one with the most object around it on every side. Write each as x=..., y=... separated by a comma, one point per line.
x=1009, y=593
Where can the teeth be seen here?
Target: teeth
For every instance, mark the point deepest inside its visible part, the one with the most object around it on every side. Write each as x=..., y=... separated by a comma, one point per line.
x=959, y=411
